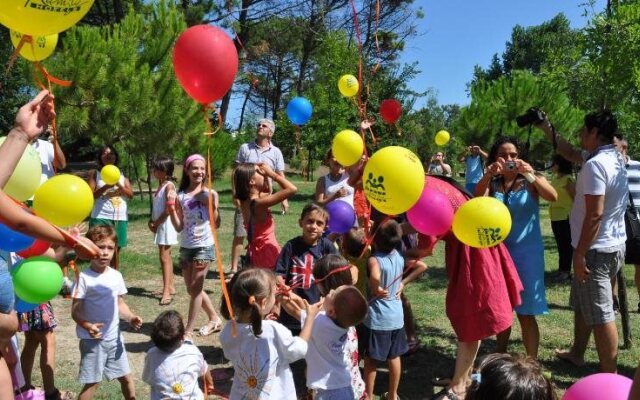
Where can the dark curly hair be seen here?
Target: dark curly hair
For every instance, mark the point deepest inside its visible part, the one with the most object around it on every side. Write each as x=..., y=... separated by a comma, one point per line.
x=493, y=153
x=168, y=331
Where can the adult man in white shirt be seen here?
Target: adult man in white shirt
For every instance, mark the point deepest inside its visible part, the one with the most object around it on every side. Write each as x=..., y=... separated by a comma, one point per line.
x=597, y=235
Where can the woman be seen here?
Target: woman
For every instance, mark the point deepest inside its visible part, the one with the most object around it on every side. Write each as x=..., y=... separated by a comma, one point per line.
x=559, y=211
x=513, y=181
x=110, y=206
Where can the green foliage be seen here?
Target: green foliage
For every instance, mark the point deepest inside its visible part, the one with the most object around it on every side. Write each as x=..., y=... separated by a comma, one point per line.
x=13, y=85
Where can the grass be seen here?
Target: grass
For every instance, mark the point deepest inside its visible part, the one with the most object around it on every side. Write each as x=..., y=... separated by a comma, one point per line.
x=140, y=268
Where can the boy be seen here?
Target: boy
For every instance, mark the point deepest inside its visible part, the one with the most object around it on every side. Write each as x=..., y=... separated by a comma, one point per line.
x=97, y=303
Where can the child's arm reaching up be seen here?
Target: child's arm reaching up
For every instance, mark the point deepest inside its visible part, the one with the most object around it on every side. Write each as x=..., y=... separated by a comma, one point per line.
x=312, y=311
x=287, y=189
x=94, y=328
x=125, y=313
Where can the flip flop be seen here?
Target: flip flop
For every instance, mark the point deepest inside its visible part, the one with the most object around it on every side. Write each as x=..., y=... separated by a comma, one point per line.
x=211, y=327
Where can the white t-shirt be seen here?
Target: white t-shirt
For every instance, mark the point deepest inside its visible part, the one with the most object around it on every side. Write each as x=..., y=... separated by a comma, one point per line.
x=113, y=208
x=331, y=187
x=45, y=151
x=196, y=231
x=261, y=363
x=100, y=293
x=604, y=174
x=174, y=375
x=326, y=363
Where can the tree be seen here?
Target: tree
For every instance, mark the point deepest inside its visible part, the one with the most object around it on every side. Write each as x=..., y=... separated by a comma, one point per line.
x=13, y=85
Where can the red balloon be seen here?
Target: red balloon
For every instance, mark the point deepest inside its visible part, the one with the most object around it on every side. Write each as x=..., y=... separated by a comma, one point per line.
x=390, y=111
x=206, y=62
x=37, y=248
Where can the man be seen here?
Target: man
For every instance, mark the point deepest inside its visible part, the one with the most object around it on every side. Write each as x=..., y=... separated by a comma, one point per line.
x=438, y=166
x=473, y=157
x=597, y=235
x=259, y=151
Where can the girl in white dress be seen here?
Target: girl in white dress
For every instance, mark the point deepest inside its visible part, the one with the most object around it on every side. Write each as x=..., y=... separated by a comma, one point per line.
x=160, y=224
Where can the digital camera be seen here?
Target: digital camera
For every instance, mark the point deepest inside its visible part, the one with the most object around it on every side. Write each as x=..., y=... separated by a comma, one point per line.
x=532, y=116
x=510, y=165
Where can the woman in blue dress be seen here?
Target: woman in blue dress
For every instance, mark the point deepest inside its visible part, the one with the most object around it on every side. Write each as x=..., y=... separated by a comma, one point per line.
x=513, y=181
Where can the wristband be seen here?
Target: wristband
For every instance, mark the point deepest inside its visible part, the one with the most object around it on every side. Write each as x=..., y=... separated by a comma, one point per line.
x=171, y=202
x=529, y=177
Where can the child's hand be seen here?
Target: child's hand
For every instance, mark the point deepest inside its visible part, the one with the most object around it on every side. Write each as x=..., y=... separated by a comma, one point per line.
x=136, y=322
x=399, y=292
x=384, y=293
x=152, y=227
x=264, y=170
x=95, y=330
x=85, y=248
x=313, y=309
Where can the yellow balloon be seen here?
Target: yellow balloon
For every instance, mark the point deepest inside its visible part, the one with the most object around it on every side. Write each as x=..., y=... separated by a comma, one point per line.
x=393, y=180
x=25, y=178
x=110, y=174
x=482, y=222
x=348, y=85
x=442, y=138
x=63, y=200
x=347, y=147
x=40, y=47
x=42, y=17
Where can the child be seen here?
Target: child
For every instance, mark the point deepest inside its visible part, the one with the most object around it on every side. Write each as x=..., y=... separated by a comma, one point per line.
x=97, y=304
x=251, y=187
x=191, y=217
x=385, y=337
x=261, y=350
x=333, y=272
x=333, y=186
x=160, y=224
x=295, y=264
x=172, y=366
x=507, y=377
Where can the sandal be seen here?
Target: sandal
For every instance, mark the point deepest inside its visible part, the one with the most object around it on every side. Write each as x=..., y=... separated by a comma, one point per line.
x=440, y=381
x=447, y=394
x=211, y=327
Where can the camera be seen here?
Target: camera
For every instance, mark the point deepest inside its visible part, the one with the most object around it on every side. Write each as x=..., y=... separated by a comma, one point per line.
x=510, y=165
x=532, y=116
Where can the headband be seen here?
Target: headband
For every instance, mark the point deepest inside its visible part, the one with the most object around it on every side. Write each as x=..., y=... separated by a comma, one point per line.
x=192, y=158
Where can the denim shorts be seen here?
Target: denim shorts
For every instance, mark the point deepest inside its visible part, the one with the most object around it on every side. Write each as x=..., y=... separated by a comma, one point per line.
x=100, y=357
x=197, y=254
x=7, y=296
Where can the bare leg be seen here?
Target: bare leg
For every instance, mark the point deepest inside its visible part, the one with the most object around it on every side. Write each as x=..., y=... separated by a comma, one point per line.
x=409, y=325
x=530, y=334
x=636, y=277
x=236, y=251
x=581, y=334
x=370, y=375
x=6, y=391
x=47, y=360
x=502, y=340
x=395, y=370
x=464, y=363
x=166, y=263
x=28, y=356
x=198, y=297
x=606, y=336
x=127, y=387
x=88, y=391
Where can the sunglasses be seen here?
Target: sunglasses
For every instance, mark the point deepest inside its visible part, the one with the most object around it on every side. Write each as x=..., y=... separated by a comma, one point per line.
x=263, y=126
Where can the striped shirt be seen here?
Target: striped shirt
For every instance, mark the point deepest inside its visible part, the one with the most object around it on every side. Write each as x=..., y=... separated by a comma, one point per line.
x=633, y=176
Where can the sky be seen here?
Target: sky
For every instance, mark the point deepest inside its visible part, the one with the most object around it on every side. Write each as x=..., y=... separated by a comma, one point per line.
x=455, y=35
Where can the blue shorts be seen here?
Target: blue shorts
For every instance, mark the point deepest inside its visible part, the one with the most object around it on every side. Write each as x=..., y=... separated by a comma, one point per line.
x=384, y=345
x=100, y=357
x=7, y=296
x=345, y=393
x=197, y=254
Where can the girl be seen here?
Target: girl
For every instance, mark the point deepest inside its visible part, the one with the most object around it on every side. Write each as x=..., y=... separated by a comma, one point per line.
x=161, y=225
x=191, y=217
x=110, y=206
x=261, y=350
x=511, y=180
x=251, y=188
x=334, y=185
x=559, y=212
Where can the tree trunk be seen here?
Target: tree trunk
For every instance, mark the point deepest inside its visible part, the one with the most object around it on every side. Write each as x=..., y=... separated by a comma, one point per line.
x=149, y=190
x=244, y=106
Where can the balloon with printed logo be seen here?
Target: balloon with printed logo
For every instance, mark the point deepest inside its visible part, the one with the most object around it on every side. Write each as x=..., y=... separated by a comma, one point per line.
x=341, y=216
x=205, y=61
x=432, y=214
x=36, y=48
x=299, y=110
x=42, y=17
x=390, y=111
x=63, y=200
x=393, y=180
x=36, y=249
x=347, y=147
x=442, y=138
x=37, y=279
x=482, y=222
x=11, y=240
x=110, y=174
x=348, y=85
x=25, y=178
x=600, y=386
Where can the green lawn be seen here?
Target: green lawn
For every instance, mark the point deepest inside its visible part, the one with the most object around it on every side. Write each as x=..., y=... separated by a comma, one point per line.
x=435, y=358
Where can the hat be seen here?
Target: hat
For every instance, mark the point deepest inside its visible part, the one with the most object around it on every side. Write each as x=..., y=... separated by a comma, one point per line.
x=269, y=123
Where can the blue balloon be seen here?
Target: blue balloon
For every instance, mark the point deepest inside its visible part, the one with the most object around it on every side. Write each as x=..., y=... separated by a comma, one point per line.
x=299, y=110
x=341, y=216
x=11, y=240
x=22, y=306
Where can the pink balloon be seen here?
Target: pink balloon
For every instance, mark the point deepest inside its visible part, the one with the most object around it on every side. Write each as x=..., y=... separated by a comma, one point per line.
x=598, y=387
x=205, y=61
x=432, y=214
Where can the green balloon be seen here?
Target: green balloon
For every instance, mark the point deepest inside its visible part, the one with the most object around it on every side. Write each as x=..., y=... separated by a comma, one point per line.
x=37, y=279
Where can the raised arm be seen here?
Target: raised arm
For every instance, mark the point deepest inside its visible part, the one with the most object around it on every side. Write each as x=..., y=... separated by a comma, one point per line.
x=287, y=189
x=562, y=147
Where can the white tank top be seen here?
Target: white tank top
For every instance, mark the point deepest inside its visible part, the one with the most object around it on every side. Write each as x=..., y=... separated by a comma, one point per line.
x=331, y=187
x=113, y=208
x=159, y=200
x=196, y=231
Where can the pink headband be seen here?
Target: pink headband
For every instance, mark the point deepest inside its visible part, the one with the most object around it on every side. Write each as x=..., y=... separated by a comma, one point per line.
x=192, y=158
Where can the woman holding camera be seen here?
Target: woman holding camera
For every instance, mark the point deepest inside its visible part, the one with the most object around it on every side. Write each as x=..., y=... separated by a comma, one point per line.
x=513, y=181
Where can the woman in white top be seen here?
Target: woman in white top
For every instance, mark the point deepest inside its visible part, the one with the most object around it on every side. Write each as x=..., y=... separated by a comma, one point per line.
x=160, y=224
x=333, y=186
x=110, y=204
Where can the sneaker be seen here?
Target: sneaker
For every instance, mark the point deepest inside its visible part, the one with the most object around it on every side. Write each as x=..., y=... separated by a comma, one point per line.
x=561, y=277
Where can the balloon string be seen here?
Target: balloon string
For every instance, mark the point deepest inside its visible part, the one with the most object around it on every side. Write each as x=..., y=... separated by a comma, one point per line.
x=377, y=24
x=212, y=224
x=14, y=56
x=298, y=134
x=408, y=268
